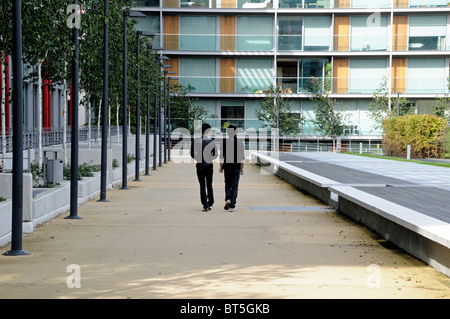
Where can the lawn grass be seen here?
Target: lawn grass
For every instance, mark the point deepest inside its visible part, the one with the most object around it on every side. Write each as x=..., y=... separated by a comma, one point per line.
x=399, y=159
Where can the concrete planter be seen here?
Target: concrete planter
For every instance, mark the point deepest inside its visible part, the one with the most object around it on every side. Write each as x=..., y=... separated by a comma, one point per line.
x=88, y=188
x=50, y=202
x=5, y=222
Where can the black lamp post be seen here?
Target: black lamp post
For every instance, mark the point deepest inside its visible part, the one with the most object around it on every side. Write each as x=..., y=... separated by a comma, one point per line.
x=168, y=115
x=104, y=110
x=74, y=137
x=138, y=106
x=126, y=14
x=147, y=123
x=166, y=112
x=17, y=190
x=157, y=120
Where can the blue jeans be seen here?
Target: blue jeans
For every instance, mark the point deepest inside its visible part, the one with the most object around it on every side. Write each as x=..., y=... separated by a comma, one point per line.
x=231, y=185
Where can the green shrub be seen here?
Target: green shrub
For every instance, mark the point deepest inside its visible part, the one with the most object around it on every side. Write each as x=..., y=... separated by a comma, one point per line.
x=424, y=133
x=84, y=170
x=447, y=143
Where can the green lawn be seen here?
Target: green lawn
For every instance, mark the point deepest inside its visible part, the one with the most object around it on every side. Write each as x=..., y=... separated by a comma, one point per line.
x=399, y=159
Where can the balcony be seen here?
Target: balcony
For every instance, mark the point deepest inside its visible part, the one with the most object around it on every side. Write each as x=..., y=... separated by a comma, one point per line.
x=292, y=4
x=302, y=86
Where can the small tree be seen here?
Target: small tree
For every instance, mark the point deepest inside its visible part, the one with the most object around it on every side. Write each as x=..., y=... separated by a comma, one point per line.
x=283, y=117
x=329, y=120
x=183, y=111
x=379, y=108
x=442, y=105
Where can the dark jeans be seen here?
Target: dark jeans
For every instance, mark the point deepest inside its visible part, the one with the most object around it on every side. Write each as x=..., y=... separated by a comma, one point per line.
x=205, y=178
x=231, y=185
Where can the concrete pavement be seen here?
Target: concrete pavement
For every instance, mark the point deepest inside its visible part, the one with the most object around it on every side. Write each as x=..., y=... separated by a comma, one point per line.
x=153, y=241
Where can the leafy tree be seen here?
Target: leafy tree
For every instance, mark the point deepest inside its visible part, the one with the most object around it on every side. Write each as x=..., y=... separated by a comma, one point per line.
x=184, y=112
x=329, y=120
x=442, y=105
x=289, y=122
x=379, y=108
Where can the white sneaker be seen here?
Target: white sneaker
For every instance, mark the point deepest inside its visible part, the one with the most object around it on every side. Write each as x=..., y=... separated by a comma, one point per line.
x=227, y=205
x=233, y=209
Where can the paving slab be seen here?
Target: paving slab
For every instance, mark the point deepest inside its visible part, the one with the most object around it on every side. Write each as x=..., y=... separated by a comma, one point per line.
x=153, y=241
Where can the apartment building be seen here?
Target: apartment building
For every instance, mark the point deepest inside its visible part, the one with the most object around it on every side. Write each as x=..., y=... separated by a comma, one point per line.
x=231, y=51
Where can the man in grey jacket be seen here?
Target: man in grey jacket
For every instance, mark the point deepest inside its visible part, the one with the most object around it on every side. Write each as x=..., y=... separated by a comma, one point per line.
x=204, y=151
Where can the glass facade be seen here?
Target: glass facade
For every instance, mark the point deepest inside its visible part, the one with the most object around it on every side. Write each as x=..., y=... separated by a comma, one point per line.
x=231, y=58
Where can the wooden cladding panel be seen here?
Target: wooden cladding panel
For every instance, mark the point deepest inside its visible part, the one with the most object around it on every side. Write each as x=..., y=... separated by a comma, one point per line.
x=400, y=33
x=227, y=75
x=175, y=63
x=341, y=33
x=398, y=75
x=171, y=4
x=340, y=76
x=171, y=32
x=342, y=3
x=228, y=4
x=228, y=33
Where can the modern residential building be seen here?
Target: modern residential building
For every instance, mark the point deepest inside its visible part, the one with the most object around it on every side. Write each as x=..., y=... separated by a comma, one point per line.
x=231, y=51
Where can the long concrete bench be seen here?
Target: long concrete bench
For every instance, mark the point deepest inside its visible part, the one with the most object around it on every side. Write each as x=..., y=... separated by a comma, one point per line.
x=422, y=236
x=306, y=181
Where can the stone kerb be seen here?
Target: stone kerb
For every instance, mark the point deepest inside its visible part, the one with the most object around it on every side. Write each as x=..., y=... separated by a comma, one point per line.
x=424, y=237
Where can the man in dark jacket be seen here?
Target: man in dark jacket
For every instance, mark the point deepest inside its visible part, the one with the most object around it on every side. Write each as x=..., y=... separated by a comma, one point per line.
x=232, y=160
x=204, y=151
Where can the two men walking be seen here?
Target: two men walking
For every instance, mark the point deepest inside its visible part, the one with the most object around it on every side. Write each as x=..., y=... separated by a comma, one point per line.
x=232, y=159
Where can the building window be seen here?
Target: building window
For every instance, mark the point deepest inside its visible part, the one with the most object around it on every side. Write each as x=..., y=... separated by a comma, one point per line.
x=309, y=70
x=150, y=24
x=198, y=33
x=427, y=32
x=428, y=3
x=317, y=33
x=290, y=33
x=254, y=33
x=233, y=113
x=369, y=33
x=366, y=75
x=371, y=4
x=426, y=76
x=253, y=74
x=147, y=3
x=199, y=73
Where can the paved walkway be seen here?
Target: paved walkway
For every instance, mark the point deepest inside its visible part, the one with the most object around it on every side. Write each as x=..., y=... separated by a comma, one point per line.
x=153, y=241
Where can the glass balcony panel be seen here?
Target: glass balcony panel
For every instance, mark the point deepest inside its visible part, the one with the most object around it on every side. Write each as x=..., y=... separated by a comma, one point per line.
x=371, y=4
x=304, y=4
x=254, y=4
x=147, y=3
x=428, y=3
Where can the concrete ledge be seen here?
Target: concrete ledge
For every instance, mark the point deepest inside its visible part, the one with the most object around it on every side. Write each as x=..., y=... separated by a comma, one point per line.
x=422, y=236
x=305, y=181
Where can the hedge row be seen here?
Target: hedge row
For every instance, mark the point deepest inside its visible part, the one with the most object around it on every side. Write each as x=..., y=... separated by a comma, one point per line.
x=424, y=132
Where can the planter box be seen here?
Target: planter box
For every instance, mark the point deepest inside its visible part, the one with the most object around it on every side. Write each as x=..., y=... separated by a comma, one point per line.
x=50, y=202
x=5, y=222
x=89, y=188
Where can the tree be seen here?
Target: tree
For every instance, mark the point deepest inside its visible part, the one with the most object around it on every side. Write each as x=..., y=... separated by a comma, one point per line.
x=380, y=108
x=442, y=105
x=184, y=113
x=276, y=112
x=329, y=120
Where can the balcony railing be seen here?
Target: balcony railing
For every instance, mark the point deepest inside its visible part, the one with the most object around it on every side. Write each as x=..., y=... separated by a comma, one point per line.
x=293, y=4
x=304, y=85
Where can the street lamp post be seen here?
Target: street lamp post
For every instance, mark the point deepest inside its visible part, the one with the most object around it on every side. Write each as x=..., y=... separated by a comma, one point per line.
x=74, y=137
x=158, y=112
x=126, y=14
x=17, y=190
x=165, y=113
x=168, y=116
x=147, y=123
x=104, y=110
x=138, y=108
